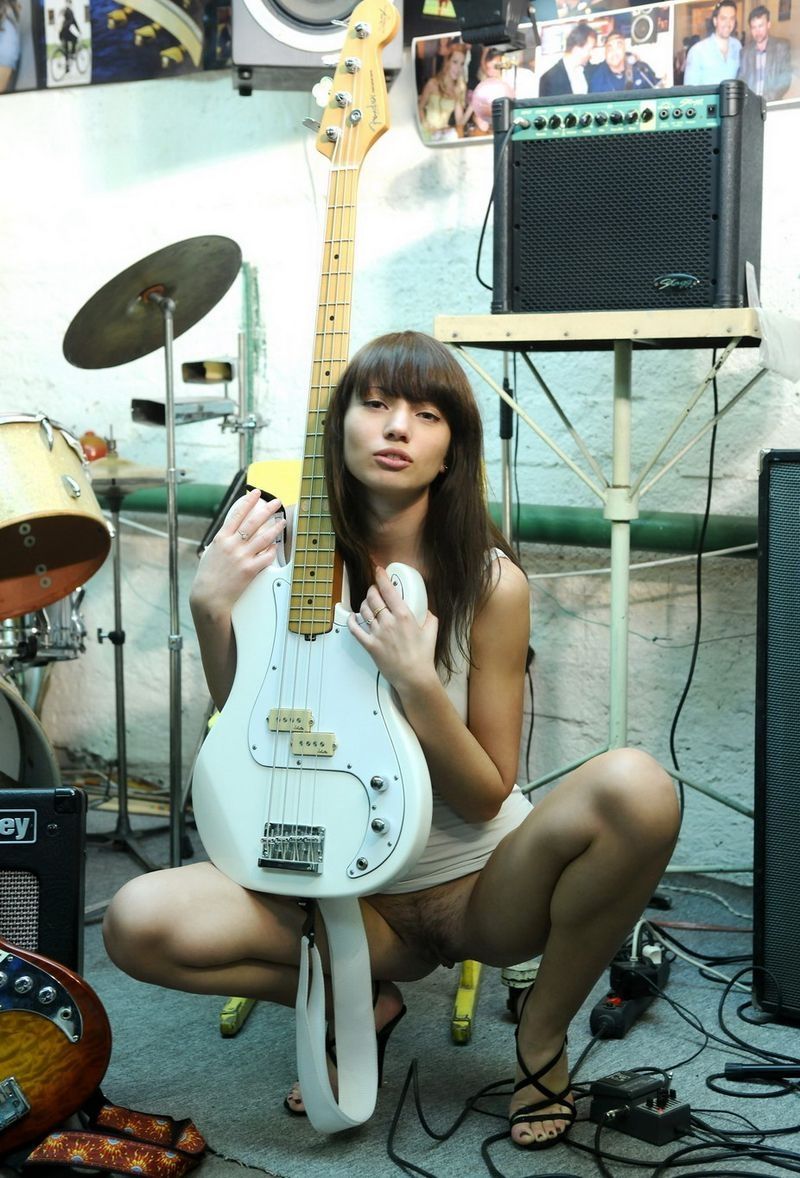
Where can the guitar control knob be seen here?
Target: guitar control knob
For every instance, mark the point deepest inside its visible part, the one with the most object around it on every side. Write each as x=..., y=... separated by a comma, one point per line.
x=47, y=994
x=378, y=783
x=23, y=984
x=379, y=826
x=3, y=979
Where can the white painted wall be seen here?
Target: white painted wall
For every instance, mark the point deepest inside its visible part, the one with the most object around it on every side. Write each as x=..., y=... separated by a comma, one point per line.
x=96, y=178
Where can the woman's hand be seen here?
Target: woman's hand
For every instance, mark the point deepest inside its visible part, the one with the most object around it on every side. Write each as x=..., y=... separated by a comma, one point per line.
x=403, y=650
x=241, y=549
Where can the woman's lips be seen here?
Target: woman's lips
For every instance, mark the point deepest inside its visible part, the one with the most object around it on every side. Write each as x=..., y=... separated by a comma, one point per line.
x=391, y=460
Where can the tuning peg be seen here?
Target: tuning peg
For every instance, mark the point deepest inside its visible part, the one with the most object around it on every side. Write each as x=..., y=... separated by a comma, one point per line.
x=312, y=124
x=322, y=91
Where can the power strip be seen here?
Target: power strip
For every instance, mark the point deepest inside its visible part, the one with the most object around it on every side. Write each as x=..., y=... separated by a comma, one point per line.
x=639, y=1106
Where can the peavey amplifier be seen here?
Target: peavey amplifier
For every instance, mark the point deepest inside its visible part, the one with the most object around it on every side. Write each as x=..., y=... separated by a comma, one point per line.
x=42, y=870
x=776, y=899
x=629, y=200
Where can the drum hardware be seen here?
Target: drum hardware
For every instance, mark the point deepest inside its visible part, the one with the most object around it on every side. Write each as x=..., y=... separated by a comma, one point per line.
x=144, y=308
x=123, y=836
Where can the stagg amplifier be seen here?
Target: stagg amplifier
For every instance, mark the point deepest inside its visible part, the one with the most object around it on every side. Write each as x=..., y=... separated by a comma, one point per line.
x=776, y=898
x=42, y=871
x=628, y=200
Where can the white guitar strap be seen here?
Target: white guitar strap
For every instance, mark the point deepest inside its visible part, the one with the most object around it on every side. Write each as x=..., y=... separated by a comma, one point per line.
x=354, y=1020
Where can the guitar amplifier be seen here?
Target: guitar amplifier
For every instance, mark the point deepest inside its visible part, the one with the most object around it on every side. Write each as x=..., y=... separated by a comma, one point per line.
x=630, y=200
x=776, y=900
x=42, y=871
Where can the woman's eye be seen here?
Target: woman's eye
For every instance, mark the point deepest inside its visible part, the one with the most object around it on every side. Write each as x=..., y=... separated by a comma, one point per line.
x=429, y=415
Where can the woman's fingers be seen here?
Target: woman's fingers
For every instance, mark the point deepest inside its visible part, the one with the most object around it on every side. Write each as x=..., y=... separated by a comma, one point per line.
x=248, y=514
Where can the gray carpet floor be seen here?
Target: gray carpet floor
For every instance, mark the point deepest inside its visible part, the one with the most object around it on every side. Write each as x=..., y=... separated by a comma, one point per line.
x=170, y=1057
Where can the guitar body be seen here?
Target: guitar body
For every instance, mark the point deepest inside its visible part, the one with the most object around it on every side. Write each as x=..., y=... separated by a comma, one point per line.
x=338, y=776
x=55, y=1044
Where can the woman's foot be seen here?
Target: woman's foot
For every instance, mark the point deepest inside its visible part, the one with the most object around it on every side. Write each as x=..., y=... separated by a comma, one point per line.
x=388, y=1006
x=542, y=1088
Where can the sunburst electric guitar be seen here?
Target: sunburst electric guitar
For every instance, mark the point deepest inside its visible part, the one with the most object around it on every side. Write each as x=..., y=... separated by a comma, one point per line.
x=312, y=783
x=55, y=1043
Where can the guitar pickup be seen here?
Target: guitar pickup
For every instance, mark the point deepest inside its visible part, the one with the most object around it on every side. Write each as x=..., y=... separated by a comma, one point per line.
x=290, y=720
x=316, y=744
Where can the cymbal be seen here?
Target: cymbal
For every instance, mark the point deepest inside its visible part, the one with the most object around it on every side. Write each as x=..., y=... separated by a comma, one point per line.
x=120, y=323
x=120, y=474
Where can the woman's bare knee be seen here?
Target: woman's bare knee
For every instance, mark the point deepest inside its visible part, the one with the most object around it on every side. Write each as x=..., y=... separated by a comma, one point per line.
x=137, y=926
x=632, y=789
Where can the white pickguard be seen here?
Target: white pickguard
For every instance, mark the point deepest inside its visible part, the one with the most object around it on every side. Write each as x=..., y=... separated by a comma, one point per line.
x=366, y=799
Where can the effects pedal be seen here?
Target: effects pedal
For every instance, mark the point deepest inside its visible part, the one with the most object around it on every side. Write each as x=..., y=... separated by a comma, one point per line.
x=640, y=1106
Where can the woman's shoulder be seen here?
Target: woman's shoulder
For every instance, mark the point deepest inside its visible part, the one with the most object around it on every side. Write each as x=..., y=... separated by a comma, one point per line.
x=508, y=595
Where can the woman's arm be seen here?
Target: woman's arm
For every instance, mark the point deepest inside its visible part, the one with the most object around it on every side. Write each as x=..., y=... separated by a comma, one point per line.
x=243, y=546
x=473, y=766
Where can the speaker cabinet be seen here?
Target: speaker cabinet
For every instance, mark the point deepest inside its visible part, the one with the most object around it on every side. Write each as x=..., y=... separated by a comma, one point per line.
x=287, y=44
x=627, y=201
x=42, y=872
x=776, y=916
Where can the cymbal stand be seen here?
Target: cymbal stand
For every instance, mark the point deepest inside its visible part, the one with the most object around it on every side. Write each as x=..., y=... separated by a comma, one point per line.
x=123, y=837
x=176, y=814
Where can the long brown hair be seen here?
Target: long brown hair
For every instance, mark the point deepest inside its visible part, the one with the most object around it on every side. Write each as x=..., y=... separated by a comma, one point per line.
x=458, y=533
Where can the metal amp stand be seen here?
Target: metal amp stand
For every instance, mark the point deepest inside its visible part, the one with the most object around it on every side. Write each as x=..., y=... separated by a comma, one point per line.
x=585, y=331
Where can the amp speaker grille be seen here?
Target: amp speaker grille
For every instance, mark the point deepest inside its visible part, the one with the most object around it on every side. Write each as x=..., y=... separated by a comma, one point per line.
x=595, y=214
x=19, y=908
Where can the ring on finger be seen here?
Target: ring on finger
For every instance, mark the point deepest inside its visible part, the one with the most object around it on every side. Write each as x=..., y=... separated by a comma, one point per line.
x=379, y=610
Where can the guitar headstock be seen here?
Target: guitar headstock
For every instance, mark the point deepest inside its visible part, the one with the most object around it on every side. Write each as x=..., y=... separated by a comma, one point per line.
x=357, y=112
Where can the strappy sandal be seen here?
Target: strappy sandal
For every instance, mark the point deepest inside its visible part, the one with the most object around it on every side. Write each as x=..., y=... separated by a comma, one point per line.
x=381, y=1039
x=530, y=1113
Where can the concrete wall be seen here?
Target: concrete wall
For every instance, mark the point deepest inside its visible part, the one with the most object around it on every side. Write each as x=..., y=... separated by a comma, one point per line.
x=96, y=178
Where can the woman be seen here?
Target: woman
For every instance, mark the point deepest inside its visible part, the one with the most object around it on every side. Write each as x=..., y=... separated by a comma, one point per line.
x=443, y=100
x=498, y=881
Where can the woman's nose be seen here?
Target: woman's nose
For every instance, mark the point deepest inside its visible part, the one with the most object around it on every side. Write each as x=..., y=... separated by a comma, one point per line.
x=397, y=425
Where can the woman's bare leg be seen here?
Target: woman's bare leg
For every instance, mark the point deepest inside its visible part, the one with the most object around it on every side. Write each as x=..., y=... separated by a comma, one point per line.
x=191, y=928
x=569, y=883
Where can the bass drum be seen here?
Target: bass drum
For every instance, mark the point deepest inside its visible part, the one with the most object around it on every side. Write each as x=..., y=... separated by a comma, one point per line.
x=26, y=756
x=53, y=535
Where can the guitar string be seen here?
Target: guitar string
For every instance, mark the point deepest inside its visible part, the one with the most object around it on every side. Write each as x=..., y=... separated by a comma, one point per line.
x=307, y=618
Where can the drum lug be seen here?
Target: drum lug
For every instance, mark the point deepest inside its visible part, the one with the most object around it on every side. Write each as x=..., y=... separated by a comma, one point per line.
x=73, y=488
x=47, y=430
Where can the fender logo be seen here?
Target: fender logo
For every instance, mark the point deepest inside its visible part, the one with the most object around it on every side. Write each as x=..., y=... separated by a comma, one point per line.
x=675, y=281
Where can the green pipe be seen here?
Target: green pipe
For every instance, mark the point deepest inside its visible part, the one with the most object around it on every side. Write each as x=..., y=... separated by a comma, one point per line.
x=653, y=531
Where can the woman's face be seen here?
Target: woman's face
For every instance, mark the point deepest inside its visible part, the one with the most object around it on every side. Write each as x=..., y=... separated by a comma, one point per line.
x=392, y=446
x=455, y=67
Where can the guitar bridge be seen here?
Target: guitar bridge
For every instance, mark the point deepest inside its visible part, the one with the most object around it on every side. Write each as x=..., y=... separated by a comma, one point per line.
x=13, y=1105
x=292, y=848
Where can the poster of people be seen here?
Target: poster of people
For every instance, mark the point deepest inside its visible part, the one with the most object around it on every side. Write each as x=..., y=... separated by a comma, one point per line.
x=589, y=51
x=54, y=43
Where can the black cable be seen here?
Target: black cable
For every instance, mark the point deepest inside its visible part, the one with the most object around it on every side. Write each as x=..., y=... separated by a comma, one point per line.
x=699, y=595
x=500, y=160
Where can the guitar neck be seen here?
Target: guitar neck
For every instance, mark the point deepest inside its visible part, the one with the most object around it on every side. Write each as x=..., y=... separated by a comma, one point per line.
x=316, y=584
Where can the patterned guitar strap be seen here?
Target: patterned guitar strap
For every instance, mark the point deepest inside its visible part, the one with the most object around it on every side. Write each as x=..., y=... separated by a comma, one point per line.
x=354, y=1021
x=124, y=1141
